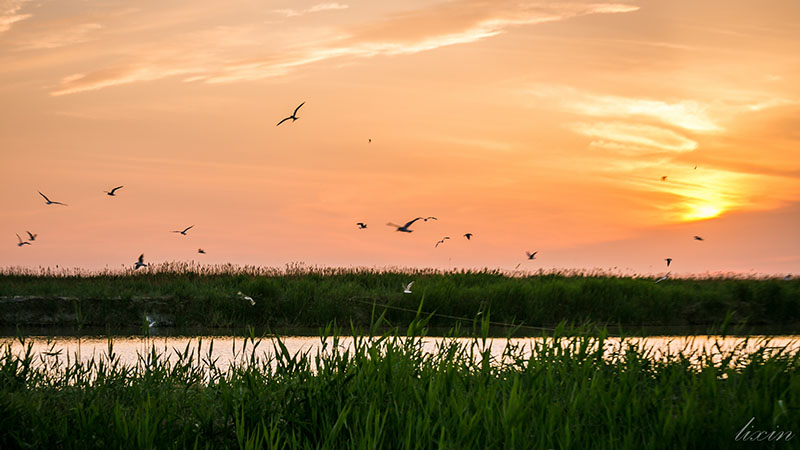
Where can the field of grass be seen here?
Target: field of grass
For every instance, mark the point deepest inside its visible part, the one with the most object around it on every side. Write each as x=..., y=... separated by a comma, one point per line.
x=187, y=296
x=386, y=392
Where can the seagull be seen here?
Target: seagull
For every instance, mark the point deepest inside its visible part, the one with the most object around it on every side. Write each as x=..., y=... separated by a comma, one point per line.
x=441, y=241
x=151, y=322
x=468, y=236
x=249, y=299
x=293, y=116
x=408, y=288
x=31, y=236
x=663, y=278
x=50, y=202
x=140, y=262
x=184, y=231
x=21, y=242
x=664, y=178
x=787, y=277
x=532, y=255
x=361, y=225
x=201, y=251
x=404, y=228
x=668, y=260
x=111, y=192
x=431, y=218
x=698, y=238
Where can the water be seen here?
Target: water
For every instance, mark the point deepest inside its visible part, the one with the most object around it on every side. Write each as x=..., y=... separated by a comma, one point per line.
x=224, y=350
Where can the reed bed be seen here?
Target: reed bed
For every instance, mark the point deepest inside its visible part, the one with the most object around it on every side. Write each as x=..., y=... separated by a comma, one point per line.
x=384, y=391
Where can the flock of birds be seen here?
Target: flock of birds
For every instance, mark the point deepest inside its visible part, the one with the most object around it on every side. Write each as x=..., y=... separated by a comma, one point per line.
x=405, y=228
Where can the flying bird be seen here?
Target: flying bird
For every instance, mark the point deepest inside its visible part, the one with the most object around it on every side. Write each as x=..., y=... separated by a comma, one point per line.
x=404, y=228
x=248, y=298
x=50, y=202
x=111, y=192
x=21, y=242
x=201, y=251
x=663, y=278
x=293, y=116
x=441, y=241
x=184, y=230
x=31, y=236
x=408, y=288
x=698, y=238
x=361, y=225
x=668, y=260
x=140, y=262
x=531, y=255
x=369, y=141
x=468, y=236
x=431, y=218
x=664, y=178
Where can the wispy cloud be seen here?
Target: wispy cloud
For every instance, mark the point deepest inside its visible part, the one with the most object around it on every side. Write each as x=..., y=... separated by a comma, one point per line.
x=316, y=8
x=61, y=38
x=450, y=23
x=9, y=13
x=634, y=138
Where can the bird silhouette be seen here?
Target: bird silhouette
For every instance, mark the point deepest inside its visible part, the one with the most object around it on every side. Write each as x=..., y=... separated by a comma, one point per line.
x=111, y=192
x=21, y=242
x=293, y=116
x=531, y=255
x=441, y=241
x=361, y=225
x=664, y=178
x=201, y=251
x=408, y=288
x=31, y=236
x=668, y=260
x=184, y=230
x=698, y=238
x=140, y=262
x=50, y=202
x=468, y=236
x=404, y=228
x=431, y=218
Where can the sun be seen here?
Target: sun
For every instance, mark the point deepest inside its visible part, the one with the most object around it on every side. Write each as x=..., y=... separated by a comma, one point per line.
x=700, y=212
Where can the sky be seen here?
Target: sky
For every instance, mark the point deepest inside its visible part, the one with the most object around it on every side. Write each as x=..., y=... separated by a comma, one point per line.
x=535, y=126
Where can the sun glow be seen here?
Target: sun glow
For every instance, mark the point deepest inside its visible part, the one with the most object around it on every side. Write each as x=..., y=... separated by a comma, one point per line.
x=703, y=211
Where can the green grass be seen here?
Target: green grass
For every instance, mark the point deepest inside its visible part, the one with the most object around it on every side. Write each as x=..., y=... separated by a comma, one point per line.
x=187, y=295
x=385, y=392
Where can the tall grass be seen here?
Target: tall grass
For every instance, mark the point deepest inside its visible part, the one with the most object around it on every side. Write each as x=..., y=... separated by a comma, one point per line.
x=187, y=295
x=384, y=391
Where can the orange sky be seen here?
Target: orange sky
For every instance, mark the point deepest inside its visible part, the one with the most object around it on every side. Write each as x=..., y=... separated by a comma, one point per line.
x=533, y=125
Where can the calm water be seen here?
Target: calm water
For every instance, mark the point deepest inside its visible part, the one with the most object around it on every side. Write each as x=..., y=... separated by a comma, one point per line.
x=226, y=349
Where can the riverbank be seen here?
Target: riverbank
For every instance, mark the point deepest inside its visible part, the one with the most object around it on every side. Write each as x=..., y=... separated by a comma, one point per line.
x=311, y=298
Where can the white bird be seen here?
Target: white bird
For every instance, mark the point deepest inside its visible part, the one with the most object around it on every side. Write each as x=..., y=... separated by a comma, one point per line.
x=531, y=255
x=663, y=278
x=21, y=242
x=151, y=322
x=293, y=116
x=31, y=236
x=249, y=299
x=184, y=230
x=50, y=202
x=408, y=288
x=111, y=192
x=140, y=262
x=404, y=228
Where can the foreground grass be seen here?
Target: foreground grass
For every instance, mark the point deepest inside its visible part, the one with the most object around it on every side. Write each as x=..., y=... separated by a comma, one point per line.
x=385, y=392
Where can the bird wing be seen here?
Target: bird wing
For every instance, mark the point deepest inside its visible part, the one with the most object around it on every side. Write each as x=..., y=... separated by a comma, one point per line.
x=59, y=203
x=408, y=224
x=408, y=287
x=141, y=258
x=20, y=239
x=296, y=109
x=32, y=236
x=392, y=224
x=118, y=187
x=187, y=229
x=45, y=197
x=284, y=120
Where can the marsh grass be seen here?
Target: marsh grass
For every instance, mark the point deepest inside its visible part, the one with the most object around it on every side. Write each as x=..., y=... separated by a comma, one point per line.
x=385, y=391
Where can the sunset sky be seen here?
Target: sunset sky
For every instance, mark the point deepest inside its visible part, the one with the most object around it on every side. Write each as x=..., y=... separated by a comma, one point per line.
x=541, y=126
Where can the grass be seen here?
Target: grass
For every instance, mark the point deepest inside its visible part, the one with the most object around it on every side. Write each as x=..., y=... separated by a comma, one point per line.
x=385, y=392
x=187, y=295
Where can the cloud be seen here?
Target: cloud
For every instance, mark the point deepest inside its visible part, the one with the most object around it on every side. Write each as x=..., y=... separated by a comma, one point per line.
x=634, y=138
x=450, y=23
x=9, y=10
x=70, y=36
x=316, y=8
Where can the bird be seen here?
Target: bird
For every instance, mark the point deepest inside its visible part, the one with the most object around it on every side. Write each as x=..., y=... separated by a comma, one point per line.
x=21, y=242
x=663, y=278
x=50, y=202
x=441, y=241
x=408, y=288
x=532, y=255
x=111, y=192
x=468, y=236
x=787, y=277
x=31, y=236
x=293, y=116
x=249, y=299
x=369, y=141
x=404, y=228
x=695, y=167
x=664, y=178
x=431, y=218
x=140, y=262
x=201, y=251
x=184, y=230
x=668, y=260
x=361, y=225
x=698, y=238
x=151, y=322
